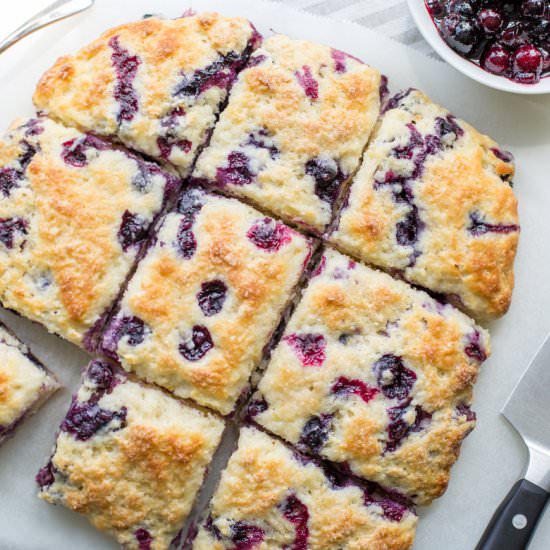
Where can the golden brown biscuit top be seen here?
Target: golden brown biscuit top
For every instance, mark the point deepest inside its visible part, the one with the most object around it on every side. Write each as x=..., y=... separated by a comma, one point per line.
x=130, y=458
x=269, y=496
x=206, y=298
x=371, y=373
x=156, y=84
x=24, y=382
x=296, y=124
x=432, y=200
x=75, y=212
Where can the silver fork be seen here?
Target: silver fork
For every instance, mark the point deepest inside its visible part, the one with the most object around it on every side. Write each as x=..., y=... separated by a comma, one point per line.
x=54, y=12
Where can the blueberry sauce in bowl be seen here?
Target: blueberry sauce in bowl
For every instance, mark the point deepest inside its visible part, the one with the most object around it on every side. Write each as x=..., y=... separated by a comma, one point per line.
x=508, y=38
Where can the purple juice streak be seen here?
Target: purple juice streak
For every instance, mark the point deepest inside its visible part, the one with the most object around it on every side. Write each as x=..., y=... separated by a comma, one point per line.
x=237, y=171
x=479, y=227
x=220, y=73
x=310, y=348
x=212, y=297
x=400, y=381
x=255, y=60
x=307, y=82
x=196, y=347
x=296, y=512
x=245, y=536
x=9, y=227
x=343, y=387
x=144, y=539
x=505, y=156
x=384, y=90
x=74, y=151
x=417, y=149
x=126, y=68
x=269, y=235
x=320, y=267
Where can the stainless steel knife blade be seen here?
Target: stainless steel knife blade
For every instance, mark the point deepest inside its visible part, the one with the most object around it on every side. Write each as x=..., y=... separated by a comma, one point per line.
x=528, y=410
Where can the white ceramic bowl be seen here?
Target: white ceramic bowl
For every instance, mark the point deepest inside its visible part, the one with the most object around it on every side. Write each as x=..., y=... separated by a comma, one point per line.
x=429, y=31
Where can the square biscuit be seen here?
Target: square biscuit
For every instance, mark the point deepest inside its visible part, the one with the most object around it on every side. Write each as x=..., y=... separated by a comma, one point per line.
x=432, y=202
x=375, y=376
x=270, y=497
x=156, y=84
x=297, y=121
x=25, y=383
x=75, y=212
x=130, y=458
x=206, y=298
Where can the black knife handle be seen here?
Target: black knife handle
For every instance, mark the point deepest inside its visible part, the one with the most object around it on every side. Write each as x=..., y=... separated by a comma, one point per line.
x=515, y=519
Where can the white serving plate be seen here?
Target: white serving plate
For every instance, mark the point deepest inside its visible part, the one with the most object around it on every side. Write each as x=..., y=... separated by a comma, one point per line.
x=429, y=31
x=492, y=456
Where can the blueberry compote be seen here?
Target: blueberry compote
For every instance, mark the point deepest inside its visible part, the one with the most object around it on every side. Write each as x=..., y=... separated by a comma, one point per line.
x=510, y=38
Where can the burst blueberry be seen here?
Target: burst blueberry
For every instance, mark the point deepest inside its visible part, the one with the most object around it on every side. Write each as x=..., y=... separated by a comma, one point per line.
x=197, y=344
x=269, y=235
x=212, y=297
x=393, y=378
x=310, y=348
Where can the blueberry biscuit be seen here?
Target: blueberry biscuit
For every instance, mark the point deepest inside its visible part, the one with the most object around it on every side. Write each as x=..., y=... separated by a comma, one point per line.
x=272, y=498
x=376, y=376
x=205, y=299
x=25, y=384
x=157, y=85
x=293, y=132
x=130, y=458
x=74, y=213
x=433, y=203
